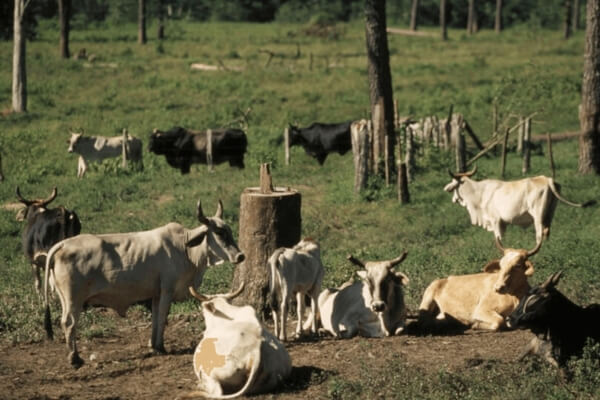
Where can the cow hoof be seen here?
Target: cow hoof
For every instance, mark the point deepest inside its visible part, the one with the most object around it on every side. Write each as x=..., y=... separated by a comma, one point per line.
x=76, y=361
x=161, y=351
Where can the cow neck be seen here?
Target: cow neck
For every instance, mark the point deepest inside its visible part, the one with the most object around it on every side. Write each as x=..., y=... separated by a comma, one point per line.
x=198, y=255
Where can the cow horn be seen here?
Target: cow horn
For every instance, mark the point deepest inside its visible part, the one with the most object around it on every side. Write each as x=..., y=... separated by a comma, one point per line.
x=52, y=196
x=398, y=260
x=219, y=213
x=355, y=261
x=235, y=294
x=470, y=173
x=197, y=295
x=22, y=200
x=537, y=248
x=499, y=244
x=459, y=175
x=155, y=130
x=199, y=214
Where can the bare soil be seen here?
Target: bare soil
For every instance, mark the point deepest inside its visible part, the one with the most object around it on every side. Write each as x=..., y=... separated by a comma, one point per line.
x=120, y=365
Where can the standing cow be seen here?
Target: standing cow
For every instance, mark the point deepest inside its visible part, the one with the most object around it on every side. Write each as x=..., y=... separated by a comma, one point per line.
x=44, y=227
x=97, y=148
x=319, y=139
x=118, y=270
x=182, y=147
x=494, y=204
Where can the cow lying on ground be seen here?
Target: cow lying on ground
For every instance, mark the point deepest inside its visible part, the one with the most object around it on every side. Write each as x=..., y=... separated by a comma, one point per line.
x=118, y=270
x=371, y=307
x=44, y=227
x=237, y=355
x=318, y=140
x=483, y=300
x=97, y=148
x=183, y=147
x=296, y=271
x=493, y=204
x=554, y=318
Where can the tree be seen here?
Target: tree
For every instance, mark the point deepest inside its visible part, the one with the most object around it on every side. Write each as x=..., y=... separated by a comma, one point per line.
x=498, y=22
x=472, y=18
x=443, y=21
x=576, y=8
x=19, y=83
x=414, y=12
x=568, y=19
x=589, y=111
x=142, y=21
x=161, y=20
x=380, y=79
x=64, y=15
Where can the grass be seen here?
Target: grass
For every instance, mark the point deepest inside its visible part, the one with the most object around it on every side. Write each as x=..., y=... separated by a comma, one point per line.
x=152, y=86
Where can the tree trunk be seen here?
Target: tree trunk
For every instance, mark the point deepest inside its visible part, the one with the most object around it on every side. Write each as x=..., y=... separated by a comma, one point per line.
x=414, y=14
x=576, y=9
x=472, y=16
x=568, y=18
x=498, y=22
x=589, y=111
x=19, y=83
x=443, y=22
x=161, y=20
x=142, y=21
x=64, y=15
x=380, y=78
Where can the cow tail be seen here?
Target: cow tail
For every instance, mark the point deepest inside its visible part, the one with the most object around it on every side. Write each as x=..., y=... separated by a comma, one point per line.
x=47, y=315
x=252, y=376
x=558, y=196
x=273, y=269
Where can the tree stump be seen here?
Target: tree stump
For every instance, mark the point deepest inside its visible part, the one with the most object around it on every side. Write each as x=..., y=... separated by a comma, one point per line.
x=267, y=221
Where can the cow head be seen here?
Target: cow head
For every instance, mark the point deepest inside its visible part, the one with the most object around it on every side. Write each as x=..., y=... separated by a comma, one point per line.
x=217, y=234
x=513, y=268
x=72, y=142
x=208, y=302
x=295, y=135
x=535, y=308
x=457, y=179
x=35, y=206
x=379, y=277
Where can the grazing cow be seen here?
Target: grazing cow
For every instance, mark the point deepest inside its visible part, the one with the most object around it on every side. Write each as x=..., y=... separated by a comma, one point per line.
x=237, y=355
x=553, y=317
x=493, y=204
x=483, y=300
x=182, y=147
x=44, y=227
x=97, y=148
x=118, y=270
x=372, y=307
x=295, y=271
x=321, y=139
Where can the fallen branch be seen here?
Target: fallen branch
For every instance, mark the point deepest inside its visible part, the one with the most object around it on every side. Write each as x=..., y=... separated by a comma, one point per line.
x=408, y=32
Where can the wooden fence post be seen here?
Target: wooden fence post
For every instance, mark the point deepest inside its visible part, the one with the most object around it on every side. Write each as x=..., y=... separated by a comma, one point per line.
x=124, y=149
x=520, y=135
x=461, y=152
x=360, y=150
x=209, y=155
x=409, y=160
x=403, y=194
x=504, y=151
x=286, y=141
x=550, y=155
x=526, y=146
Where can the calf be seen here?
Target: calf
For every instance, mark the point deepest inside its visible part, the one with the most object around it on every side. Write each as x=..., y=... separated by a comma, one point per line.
x=97, y=148
x=182, y=147
x=44, y=227
x=552, y=316
x=237, y=355
x=295, y=271
x=479, y=301
x=372, y=307
x=318, y=140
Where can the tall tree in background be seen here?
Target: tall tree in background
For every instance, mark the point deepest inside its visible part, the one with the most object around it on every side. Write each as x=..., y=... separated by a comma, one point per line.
x=568, y=18
x=498, y=22
x=380, y=80
x=414, y=13
x=19, y=83
x=142, y=21
x=589, y=111
x=576, y=9
x=64, y=16
x=161, y=20
x=443, y=22
x=472, y=18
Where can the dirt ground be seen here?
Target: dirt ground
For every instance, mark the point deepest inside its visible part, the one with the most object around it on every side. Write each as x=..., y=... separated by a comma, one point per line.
x=120, y=365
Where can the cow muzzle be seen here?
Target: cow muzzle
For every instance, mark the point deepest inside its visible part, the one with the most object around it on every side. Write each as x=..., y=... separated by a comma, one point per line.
x=238, y=258
x=378, y=306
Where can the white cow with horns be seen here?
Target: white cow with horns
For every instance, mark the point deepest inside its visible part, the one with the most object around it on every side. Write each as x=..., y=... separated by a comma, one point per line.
x=118, y=270
x=493, y=204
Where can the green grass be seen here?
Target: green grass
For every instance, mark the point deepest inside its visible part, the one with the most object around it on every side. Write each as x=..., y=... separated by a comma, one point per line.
x=152, y=86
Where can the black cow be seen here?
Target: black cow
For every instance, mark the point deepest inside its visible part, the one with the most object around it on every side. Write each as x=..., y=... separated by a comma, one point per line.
x=43, y=228
x=182, y=147
x=554, y=318
x=321, y=139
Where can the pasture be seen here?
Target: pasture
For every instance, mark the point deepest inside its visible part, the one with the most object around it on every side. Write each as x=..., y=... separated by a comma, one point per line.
x=145, y=87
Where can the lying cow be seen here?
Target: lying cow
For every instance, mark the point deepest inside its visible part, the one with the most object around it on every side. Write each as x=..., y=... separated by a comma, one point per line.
x=551, y=316
x=318, y=140
x=183, y=147
x=237, y=355
x=493, y=204
x=483, y=300
x=97, y=148
x=118, y=270
x=296, y=271
x=371, y=307
x=44, y=227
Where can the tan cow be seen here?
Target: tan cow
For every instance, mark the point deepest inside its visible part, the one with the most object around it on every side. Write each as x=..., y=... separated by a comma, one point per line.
x=483, y=300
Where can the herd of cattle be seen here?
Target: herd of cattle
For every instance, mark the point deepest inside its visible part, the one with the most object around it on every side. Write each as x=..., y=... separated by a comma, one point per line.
x=237, y=354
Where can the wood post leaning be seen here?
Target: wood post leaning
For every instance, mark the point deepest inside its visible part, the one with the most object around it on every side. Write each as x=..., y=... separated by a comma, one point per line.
x=124, y=149
x=526, y=146
x=360, y=150
x=286, y=144
x=504, y=151
x=209, y=155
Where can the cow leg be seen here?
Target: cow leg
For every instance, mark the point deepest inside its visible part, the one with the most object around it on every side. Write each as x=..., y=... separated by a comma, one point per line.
x=159, y=320
x=284, y=311
x=314, y=310
x=81, y=167
x=35, y=270
x=300, y=311
x=275, y=321
x=539, y=229
x=70, y=316
x=487, y=320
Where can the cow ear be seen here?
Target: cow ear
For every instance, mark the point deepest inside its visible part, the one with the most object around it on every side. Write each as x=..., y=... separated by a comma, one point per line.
x=492, y=266
x=195, y=237
x=401, y=278
x=362, y=274
x=528, y=268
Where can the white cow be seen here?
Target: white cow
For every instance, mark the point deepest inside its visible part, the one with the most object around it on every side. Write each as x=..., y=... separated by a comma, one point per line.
x=97, y=148
x=493, y=204
x=118, y=270
x=237, y=354
x=372, y=307
x=296, y=271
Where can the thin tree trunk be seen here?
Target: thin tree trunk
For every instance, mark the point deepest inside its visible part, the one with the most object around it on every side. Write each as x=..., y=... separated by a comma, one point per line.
x=64, y=16
x=414, y=13
x=576, y=9
x=568, y=19
x=19, y=83
x=589, y=111
x=380, y=78
x=161, y=20
x=472, y=16
x=443, y=22
x=142, y=21
x=498, y=22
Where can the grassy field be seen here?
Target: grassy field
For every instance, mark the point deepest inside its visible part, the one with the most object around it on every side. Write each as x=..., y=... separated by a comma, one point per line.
x=145, y=87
